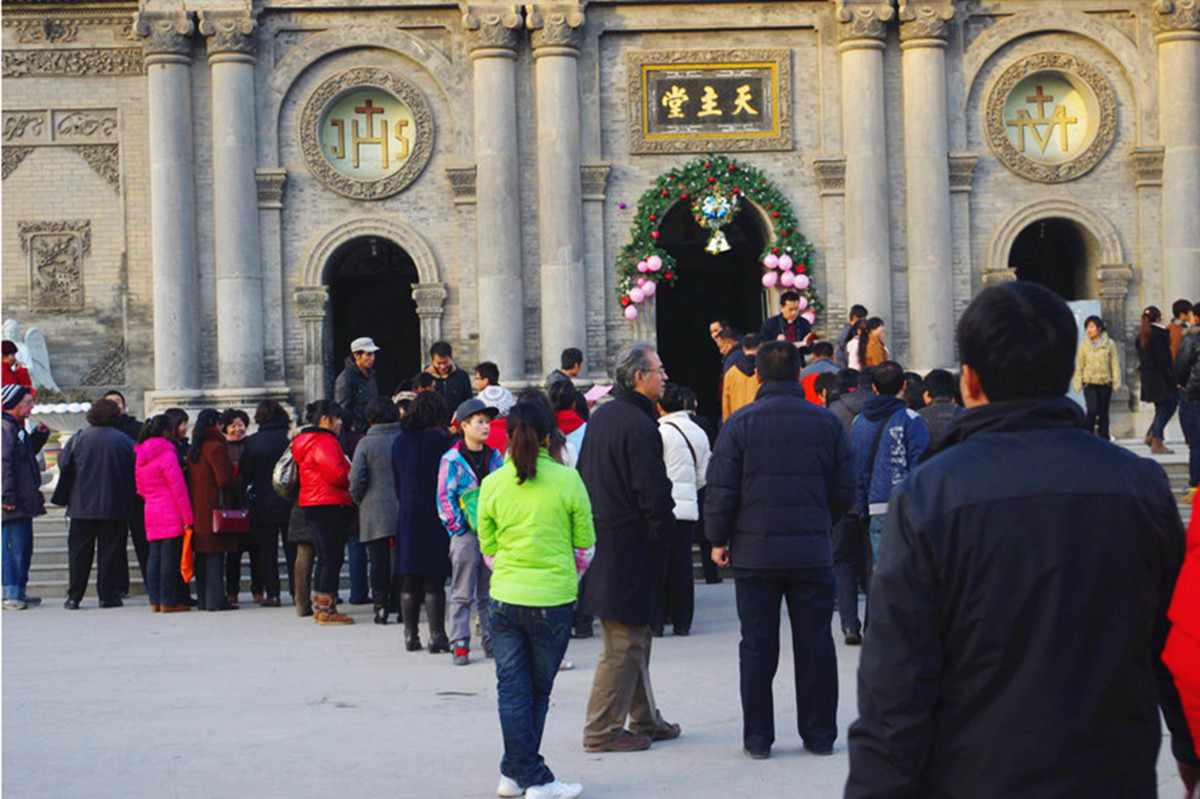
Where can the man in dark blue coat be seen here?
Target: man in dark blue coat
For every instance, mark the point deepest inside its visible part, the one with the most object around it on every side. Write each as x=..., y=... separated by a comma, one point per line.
x=1018, y=606
x=779, y=478
x=621, y=463
x=788, y=325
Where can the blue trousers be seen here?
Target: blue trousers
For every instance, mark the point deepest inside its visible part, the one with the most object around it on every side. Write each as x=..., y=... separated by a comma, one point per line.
x=162, y=571
x=529, y=644
x=1189, y=420
x=18, y=552
x=1163, y=411
x=356, y=561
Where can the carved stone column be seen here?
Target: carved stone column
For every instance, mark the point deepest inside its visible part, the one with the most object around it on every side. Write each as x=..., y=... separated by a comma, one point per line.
x=430, y=299
x=1178, y=37
x=168, y=53
x=311, y=305
x=238, y=259
x=556, y=39
x=864, y=139
x=494, y=36
x=270, y=226
x=927, y=174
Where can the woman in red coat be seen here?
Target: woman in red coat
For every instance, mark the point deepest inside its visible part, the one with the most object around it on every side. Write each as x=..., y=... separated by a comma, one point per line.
x=325, y=502
x=1182, y=652
x=209, y=473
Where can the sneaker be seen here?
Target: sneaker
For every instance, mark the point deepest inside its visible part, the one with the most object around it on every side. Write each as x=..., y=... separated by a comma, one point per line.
x=13, y=604
x=756, y=754
x=34, y=601
x=666, y=731
x=566, y=665
x=508, y=787
x=461, y=656
x=853, y=639
x=554, y=790
x=71, y=604
x=620, y=741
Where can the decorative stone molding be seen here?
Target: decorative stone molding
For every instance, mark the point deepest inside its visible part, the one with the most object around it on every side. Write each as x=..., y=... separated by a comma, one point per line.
x=1114, y=290
x=996, y=277
x=229, y=33
x=13, y=156
x=270, y=187
x=555, y=25
x=63, y=28
x=109, y=370
x=88, y=124
x=831, y=174
x=861, y=20
x=962, y=172
x=493, y=27
x=1095, y=223
x=311, y=302
x=167, y=34
x=23, y=126
x=331, y=89
x=430, y=299
x=594, y=178
x=56, y=250
x=1147, y=166
x=924, y=19
x=100, y=63
x=462, y=184
x=105, y=161
x=995, y=123
x=1177, y=16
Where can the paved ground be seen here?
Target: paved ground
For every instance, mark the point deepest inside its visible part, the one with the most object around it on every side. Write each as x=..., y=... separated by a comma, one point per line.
x=122, y=703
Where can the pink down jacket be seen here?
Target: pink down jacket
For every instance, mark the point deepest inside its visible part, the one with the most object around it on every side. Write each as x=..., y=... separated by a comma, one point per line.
x=160, y=482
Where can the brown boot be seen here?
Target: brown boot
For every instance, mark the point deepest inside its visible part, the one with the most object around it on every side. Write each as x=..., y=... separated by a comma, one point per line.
x=1157, y=448
x=325, y=612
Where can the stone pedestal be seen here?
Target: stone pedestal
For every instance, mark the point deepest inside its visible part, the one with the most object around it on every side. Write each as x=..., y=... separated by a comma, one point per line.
x=168, y=54
x=556, y=38
x=498, y=215
x=927, y=175
x=864, y=141
x=1178, y=38
x=235, y=200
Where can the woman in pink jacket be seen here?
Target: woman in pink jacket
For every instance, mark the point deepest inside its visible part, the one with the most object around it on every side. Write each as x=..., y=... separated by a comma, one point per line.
x=161, y=483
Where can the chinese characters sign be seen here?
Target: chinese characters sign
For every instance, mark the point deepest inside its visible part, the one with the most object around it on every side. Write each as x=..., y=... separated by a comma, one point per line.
x=367, y=134
x=699, y=101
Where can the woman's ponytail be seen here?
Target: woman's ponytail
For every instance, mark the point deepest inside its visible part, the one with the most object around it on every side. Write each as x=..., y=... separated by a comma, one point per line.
x=528, y=426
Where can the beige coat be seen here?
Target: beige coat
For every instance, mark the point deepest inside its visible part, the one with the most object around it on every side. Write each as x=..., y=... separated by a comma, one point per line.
x=1096, y=363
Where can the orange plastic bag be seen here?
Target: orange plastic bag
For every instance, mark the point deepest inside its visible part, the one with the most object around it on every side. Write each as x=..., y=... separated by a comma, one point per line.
x=187, y=563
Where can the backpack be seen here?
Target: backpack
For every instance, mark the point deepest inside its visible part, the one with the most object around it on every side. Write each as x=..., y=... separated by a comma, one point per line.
x=285, y=477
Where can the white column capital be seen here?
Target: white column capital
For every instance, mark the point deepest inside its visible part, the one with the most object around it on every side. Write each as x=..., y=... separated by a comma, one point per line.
x=555, y=25
x=1174, y=17
x=229, y=33
x=863, y=20
x=167, y=35
x=924, y=21
x=493, y=27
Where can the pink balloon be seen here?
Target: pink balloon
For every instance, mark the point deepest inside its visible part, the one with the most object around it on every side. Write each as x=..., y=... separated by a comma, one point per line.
x=643, y=266
x=650, y=288
x=654, y=262
x=803, y=303
x=770, y=279
x=785, y=262
x=637, y=295
x=809, y=316
x=631, y=312
x=802, y=281
x=641, y=281
x=771, y=261
x=787, y=279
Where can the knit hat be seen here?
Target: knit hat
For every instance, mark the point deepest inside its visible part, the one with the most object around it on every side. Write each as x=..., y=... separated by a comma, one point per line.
x=12, y=394
x=8, y=347
x=498, y=397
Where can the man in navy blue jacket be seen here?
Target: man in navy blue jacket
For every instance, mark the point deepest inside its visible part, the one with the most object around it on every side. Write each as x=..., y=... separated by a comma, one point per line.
x=779, y=477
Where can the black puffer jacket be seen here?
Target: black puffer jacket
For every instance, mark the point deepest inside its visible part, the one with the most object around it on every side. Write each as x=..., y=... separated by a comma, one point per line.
x=781, y=474
x=1154, y=367
x=622, y=465
x=354, y=391
x=100, y=462
x=259, y=455
x=1018, y=607
x=22, y=475
x=1187, y=363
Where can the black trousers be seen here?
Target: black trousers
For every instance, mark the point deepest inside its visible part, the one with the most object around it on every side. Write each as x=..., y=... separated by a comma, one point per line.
x=233, y=567
x=82, y=538
x=210, y=580
x=379, y=552
x=1096, y=398
x=141, y=548
x=851, y=568
x=331, y=524
x=676, y=589
x=266, y=538
x=809, y=597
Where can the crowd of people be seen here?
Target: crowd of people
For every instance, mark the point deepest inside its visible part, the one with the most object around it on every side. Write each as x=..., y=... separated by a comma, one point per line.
x=1027, y=619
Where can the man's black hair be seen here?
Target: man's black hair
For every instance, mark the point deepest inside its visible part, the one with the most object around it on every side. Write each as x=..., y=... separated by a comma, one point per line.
x=788, y=296
x=940, y=383
x=727, y=334
x=822, y=349
x=778, y=362
x=112, y=392
x=561, y=396
x=489, y=372
x=1181, y=307
x=914, y=391
x=888, y=378
x=424, y=380
x=847, y=380
x=441, y=349
x=672, y=398
x=381, y=411
x=858, y=311
x=827, y=383
x=750, y=342
x=1019, y=338
x=570, y=357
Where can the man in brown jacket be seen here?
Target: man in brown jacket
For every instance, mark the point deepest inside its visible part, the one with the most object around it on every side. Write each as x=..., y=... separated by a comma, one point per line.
x=740, y=383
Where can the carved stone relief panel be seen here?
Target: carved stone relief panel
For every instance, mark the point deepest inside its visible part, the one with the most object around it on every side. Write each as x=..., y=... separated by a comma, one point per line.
x=92, y=133
x=56, y=250
x=101, y=62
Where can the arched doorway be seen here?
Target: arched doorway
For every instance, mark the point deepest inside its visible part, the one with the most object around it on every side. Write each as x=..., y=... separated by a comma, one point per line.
x=1055, y=253
x=723, y=286
x=371, y=282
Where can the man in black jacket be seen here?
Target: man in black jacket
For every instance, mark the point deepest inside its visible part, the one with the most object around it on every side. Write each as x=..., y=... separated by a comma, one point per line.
x=1018, y=607
x=355, y=387
x=781, y=474
x=451, y=382
x=570, y=365
x=788, y=325
x=621, y=463
x=1187, y=374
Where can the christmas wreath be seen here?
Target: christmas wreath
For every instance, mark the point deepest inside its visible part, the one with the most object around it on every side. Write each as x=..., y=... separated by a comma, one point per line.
x=715, y=186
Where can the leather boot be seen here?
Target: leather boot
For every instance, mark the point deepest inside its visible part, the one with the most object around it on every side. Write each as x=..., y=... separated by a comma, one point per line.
x=1157, y=447
x=435, y=609
x=410, y=605
x=326, y=612
x=381, y=612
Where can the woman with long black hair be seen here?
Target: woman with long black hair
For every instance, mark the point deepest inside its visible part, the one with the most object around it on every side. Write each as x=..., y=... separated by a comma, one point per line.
x=1097, y=374
x=1158, y=381
x=209, y=473
x=168, y=511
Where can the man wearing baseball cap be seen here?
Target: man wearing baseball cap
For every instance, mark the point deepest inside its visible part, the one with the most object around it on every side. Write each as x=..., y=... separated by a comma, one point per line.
x=22, y=481
x=355, y=386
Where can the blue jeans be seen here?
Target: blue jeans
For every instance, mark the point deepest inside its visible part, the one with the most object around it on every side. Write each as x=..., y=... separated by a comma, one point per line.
x=356, y=560
x=1163, y=411
x=18, y=551
x=162, y=571
x=529, y=644
x=1189, y=420
x=876, y=529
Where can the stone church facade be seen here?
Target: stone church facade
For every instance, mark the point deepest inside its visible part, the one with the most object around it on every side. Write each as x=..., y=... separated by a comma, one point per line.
x=204, y=201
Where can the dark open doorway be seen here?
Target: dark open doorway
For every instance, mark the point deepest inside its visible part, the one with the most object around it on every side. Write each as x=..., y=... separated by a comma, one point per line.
x=725, y=286
x=370, y=294
x=1052, y=253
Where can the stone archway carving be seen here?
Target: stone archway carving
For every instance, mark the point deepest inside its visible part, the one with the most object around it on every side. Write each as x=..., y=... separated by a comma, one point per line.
x=312, y=295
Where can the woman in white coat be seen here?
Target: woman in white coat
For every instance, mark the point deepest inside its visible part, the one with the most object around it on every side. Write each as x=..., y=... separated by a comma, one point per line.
x=686, y=452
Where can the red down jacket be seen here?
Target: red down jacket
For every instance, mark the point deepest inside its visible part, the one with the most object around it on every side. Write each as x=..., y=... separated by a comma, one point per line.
x=1182, y=652
x=324, y=468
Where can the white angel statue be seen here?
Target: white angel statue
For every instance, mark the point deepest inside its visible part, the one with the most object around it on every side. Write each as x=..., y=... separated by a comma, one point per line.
x=32, y=353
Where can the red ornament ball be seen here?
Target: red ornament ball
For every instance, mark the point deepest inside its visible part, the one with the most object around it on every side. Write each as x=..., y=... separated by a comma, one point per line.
x=654, y=234
x=712, y=180
x=707, y=164
x=732, y=167
x=653, y=217
x=624, y=301
x=669, y=275
x=763, y=183
x=801, y=268
x=684, y=195
x=775, y=214
x=666, y=193
x=775, y=250
x=783, y=233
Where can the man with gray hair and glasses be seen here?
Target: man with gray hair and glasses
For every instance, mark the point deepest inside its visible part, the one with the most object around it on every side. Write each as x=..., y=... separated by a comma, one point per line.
x=622, y=465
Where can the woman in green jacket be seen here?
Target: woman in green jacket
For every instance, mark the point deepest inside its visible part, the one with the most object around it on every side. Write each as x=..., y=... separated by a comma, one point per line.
x=535, y=531
x=1097, y=374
